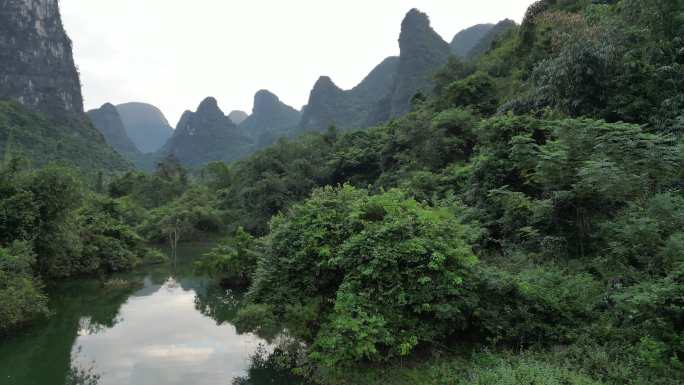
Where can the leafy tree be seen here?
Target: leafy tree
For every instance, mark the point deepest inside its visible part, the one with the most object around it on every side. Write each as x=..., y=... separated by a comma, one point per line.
x=234, y=260
x=649, y=316
x=648, y=235
x=477, y=91
x=109, y=243
x=272, y=179
x=190, y=218
x=58, y=193
x=577, y=80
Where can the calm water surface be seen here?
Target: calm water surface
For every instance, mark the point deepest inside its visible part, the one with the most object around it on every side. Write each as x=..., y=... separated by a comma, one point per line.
x=158, y=326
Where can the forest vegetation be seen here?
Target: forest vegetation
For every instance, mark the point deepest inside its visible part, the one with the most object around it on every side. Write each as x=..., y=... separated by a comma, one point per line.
x=523, y=223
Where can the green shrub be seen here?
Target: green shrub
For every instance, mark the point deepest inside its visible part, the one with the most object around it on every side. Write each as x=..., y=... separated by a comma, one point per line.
x=524, y=371
x=20, y=294
x=233, y=260
x=536, y=306
x=477, y=91
x=383, y=272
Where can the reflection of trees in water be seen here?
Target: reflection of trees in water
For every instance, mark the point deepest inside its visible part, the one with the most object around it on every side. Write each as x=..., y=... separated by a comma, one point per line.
x=267, y=365
x=86, y=326
x=271, y=367
x=79, y=375
x=220, y=304
x=46, y=354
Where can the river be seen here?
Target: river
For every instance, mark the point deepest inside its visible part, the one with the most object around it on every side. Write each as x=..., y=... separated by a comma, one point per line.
x=159, y=325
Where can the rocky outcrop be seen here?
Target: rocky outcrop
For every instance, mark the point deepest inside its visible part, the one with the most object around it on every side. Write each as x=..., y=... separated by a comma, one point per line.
x=423, y=52
x=387, y=91
x=40, y=92
x=205, y=136
x=145, y=125
x=36, y=63
x=328, y=105
x=355, y=108
x=465, y=40
x=107, y=120
x=237, y=116
x=270, y=119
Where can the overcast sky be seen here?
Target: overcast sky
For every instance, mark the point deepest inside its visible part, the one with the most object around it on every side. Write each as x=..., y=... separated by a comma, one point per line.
x=174, y=53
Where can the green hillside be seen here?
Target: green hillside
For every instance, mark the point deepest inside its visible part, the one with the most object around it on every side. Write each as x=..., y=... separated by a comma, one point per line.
x=73, y=141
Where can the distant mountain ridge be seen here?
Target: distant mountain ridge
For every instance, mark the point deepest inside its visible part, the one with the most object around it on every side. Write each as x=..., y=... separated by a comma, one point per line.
x=237, y=116
x=467, y=39
x=358, y=107
x=485, y=43
x=423, y=52
x=387, y=91
x=270, y=119
x=145, y=125
x=108, y=121
x=206, y=135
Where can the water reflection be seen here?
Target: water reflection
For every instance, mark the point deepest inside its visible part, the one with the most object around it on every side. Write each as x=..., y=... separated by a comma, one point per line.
x=268, y=367
x=162, y=325
x=164, y=340
x=219, y=304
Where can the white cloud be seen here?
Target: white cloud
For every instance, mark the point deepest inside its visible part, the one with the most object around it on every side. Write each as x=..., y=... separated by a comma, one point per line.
x=174, y=53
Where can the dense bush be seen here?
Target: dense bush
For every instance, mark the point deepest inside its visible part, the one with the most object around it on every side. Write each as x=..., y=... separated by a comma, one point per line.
x=109, y=243
x=535, y=306
x=368, y=277
x=259, y=187
x=550, y=157
x=477, y=91
x=20, y=293
x=193, y=215
x=234, y=260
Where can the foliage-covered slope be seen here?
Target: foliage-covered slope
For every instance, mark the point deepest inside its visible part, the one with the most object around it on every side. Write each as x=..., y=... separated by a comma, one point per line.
x=42, y=140
x=484, y=44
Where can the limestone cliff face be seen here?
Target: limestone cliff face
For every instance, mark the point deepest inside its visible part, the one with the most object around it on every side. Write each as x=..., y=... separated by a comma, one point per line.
x=108, y=121
x=40, y=83
x=36, y=63
x=327, y=106
x=387, y=91
x=355, y=108
x=423, y=52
